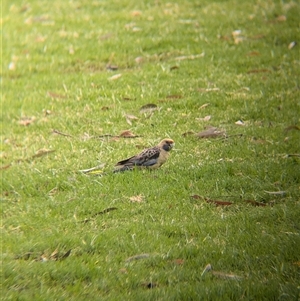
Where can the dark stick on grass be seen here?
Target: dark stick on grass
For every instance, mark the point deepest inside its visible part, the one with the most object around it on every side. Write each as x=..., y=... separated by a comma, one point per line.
x=99, y=213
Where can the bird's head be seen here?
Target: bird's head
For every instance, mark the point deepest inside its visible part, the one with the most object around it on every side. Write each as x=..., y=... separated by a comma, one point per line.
x=166, y=144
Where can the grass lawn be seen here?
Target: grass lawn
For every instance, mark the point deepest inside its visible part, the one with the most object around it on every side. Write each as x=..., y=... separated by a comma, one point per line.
x=220, y=220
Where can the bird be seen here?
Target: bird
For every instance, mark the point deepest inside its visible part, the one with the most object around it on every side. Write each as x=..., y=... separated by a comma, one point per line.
x=149, y=158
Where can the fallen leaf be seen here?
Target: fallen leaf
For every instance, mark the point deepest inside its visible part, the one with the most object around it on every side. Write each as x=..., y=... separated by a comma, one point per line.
x=208, y=89
x=292, y=45
x=218, y=203
x=112, y=67
x=253, y=53
x=114, y=77
x=282, y=193
x=178, y=261
x=138, y=59
x=189, y=57
x=174, y=68
x=281, y=18
x=25, y=121
x=150, y=107
x=292, y=127
x=240, y=122
x=206, y=118
x=60, y=133
x=137, y=198
x=127, y=134
x=136, y=13
x=211, y=132
x=129, y=118
x=5, y=166
x=41, y=152
x=196, y=197
x=204, y=106
x=226, y=276
x=128, y=98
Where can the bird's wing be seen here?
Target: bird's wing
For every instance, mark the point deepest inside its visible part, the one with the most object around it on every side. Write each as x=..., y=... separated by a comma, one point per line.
x=148, y=157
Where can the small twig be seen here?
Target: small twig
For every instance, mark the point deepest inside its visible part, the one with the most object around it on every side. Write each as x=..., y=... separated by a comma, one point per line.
x=62, y=134
x=99, y=213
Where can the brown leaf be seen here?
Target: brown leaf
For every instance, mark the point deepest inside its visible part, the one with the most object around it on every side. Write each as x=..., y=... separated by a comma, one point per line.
x=253, y=53
x=150, y=107
x=5, y=166
x=292, y=127
x=281, y=18
x=60, y=133
x=129, y=118
x=174, y=67
x=128, y=98
x=218, y=203
x=127, y=134
x=41, y=153
x=178, y=261
x=112, y=67
x=196, y=197
x=26, y=121
x=211, y=132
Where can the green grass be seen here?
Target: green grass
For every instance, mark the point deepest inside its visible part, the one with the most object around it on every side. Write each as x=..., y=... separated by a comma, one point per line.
x=54, y=58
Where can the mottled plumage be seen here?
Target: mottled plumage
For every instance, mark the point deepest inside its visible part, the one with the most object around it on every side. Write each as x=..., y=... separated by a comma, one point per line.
x=151, y=158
